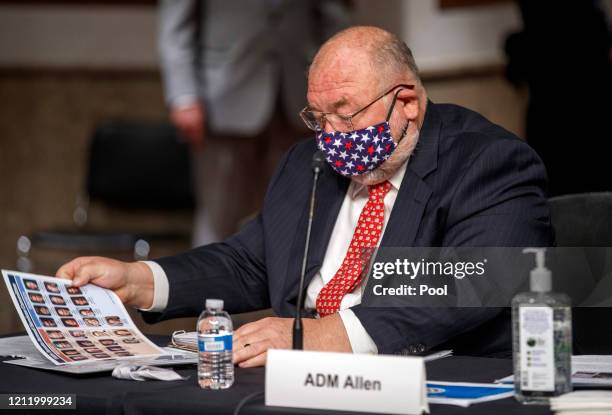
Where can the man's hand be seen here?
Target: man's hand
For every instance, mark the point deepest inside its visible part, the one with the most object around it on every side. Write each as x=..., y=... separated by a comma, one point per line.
x=131, y=281
x=190, y=120
x=252, y=341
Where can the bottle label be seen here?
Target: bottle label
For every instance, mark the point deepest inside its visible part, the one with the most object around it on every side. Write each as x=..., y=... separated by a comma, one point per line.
x=536, y=339
x=215, y=342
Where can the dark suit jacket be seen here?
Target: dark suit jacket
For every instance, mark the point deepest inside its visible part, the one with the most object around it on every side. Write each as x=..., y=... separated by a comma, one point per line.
x=468, y=183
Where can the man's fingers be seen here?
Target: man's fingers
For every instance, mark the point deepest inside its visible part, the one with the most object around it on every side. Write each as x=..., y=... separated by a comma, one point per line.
x=86, y=273
x=66, y=271
x=69, y=269
x=250, y=351
x=250, y=328
x=252, y=338
x=259, y=360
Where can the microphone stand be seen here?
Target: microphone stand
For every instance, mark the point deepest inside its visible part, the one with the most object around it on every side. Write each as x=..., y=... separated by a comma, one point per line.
x=298, y=329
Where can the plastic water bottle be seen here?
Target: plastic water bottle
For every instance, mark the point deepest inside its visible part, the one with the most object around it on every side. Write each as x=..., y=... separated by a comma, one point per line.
x=215, y=330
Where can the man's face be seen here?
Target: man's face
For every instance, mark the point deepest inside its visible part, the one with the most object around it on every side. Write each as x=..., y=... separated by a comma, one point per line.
x=343, y=83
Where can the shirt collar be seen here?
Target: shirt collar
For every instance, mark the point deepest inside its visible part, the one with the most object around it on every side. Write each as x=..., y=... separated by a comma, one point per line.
x=355, y=189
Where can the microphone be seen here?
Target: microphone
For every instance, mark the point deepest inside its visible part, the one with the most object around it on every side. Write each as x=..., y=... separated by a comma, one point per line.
x=318, y=161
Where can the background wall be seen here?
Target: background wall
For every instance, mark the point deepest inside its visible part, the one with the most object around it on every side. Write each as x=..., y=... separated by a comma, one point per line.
x=88, y=36
x=451, y=39
x=124, y=36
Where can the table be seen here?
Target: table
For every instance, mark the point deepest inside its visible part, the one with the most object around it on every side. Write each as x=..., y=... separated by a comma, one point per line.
x=102, y=394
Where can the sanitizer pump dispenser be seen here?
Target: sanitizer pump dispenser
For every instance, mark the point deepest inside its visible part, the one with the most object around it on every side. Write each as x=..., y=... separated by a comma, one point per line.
x=542, y=337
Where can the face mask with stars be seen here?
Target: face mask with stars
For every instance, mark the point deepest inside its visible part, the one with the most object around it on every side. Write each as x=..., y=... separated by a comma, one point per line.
x=357, y=152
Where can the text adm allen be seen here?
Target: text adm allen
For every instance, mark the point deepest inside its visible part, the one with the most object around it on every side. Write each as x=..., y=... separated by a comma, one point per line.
x=323, y=380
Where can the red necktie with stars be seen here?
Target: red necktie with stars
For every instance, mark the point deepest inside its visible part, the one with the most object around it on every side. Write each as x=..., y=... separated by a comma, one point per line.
x=365, y=238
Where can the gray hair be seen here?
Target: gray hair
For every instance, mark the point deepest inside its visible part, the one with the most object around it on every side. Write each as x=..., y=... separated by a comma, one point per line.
x=394, y=54
x=387, y=51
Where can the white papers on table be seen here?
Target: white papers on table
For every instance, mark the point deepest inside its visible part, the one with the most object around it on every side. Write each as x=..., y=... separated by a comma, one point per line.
x=70, y=325
x=29, y=356
x=19, y=347
x=583, y=402
x=592, y=370
x=587, y=370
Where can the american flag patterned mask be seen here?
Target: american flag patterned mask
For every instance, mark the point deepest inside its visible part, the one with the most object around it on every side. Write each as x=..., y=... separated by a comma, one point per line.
x=357, y=152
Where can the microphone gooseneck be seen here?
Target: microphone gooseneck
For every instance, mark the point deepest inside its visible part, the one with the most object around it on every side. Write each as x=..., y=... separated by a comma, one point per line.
x=318, y=161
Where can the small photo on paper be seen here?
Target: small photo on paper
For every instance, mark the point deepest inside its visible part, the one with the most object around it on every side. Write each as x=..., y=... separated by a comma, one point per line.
x=78, y=358
x=62, y=344
x=122, y=332
x=42, y=310
x=31, y=284
x=74, y=290
x=57, y=299
x=90, y=321
x=71, y=352
x=122, y=354
x=85, y=343
x=86, y=312
x=52, y=287
x=79, y=301
x=107, y=342
x=48, y=322
x=115, y=348
x=114, y=321
x=77, y=333
x=100, y=333
x=131, y=340
x=55, y=334
x=70, y=322
x=92, y=350
x=101, y=355
x=63, y=311
x=36, y=298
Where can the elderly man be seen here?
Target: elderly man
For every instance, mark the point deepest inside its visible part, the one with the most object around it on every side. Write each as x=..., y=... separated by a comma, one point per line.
x=426, y=174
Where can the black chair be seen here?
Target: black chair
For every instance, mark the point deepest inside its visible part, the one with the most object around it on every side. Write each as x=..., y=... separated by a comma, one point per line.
x=585, y=220
x=132, y=166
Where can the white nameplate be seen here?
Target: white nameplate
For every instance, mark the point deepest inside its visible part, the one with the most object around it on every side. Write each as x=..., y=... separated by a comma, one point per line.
x=346, y=381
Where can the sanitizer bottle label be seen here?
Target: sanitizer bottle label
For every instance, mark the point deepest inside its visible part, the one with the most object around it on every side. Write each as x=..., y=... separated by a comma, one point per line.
x=537, y=349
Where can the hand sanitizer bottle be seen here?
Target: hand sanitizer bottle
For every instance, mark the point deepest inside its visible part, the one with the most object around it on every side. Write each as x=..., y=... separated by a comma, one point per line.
x=542, y=338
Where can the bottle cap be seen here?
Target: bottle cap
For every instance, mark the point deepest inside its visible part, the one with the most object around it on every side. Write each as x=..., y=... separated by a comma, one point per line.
x=214, y=303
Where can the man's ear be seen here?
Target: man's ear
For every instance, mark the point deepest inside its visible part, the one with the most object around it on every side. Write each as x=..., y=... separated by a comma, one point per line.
x=409, y=103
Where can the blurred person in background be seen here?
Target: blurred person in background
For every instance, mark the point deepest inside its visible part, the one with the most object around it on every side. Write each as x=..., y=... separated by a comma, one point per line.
x=234, y=75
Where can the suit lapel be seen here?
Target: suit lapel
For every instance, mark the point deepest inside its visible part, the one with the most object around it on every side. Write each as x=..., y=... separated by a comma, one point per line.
x=330, y=193
x=414, y=192
x=407, y=211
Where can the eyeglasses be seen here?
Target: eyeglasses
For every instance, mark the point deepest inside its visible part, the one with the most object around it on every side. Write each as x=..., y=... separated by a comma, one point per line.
x=316, y=120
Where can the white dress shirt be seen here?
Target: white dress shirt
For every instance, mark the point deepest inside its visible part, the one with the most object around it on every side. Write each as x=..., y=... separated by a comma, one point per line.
x=352, y=205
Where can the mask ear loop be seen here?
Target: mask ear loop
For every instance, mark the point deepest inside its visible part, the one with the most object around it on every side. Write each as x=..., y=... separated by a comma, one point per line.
x=391, y=110
x=403, y=133
x=393, y=104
